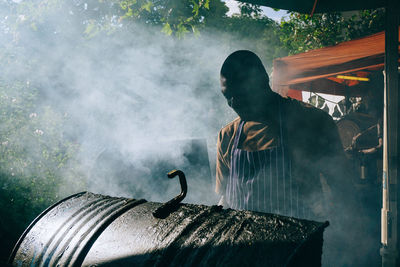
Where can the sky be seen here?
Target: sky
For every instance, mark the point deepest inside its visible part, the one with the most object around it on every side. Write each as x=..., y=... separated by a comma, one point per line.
x=269, y=12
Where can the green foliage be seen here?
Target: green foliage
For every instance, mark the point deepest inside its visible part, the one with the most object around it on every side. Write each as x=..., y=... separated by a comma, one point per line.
x=34, y=154
x=301, y=32
x=250, y=10
x=179, y=16
x=36, y=10
x=36, y=160
x=176, y=17
x=366, y=22
x=167, y=29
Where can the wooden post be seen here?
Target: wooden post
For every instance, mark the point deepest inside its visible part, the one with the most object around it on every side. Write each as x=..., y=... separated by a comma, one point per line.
x=390, y=179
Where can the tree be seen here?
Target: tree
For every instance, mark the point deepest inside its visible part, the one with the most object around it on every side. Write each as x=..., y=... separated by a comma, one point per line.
x=176, y=16
x=365, y=23
x=302, y=32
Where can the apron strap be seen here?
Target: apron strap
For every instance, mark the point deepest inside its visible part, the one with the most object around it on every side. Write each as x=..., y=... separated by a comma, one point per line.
x=237, y=135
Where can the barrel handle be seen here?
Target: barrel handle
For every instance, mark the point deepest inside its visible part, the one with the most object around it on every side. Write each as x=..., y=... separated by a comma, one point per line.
x=166, y=209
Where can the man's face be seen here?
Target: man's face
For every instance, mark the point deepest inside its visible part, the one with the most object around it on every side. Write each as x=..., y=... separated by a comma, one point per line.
x=244, y=97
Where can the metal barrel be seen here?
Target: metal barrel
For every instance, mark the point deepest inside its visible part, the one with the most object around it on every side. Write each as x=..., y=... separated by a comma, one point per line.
x=88, y=229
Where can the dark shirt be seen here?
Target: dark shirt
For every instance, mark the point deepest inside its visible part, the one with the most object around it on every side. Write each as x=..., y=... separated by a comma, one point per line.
x=319, y=164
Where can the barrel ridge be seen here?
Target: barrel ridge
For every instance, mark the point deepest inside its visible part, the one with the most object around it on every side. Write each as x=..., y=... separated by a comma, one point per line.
x=97, y=232
x=81, y=222
x=33, y=223
x=68, y=224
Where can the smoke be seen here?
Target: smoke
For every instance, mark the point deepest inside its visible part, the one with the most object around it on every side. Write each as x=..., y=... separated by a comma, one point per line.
x=134, y=103
x=150, y=92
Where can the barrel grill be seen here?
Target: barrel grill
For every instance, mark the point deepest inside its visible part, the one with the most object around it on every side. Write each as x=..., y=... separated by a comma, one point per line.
x=88, y=229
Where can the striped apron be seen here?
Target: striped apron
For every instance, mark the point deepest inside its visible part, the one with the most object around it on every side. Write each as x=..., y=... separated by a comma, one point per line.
x=262, y=180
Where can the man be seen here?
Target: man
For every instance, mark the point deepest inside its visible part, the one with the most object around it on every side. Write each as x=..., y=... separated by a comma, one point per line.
x=280, y=155
x=273, y=156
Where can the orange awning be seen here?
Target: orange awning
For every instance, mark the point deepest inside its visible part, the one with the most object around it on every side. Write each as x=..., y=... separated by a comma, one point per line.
x=317, y=69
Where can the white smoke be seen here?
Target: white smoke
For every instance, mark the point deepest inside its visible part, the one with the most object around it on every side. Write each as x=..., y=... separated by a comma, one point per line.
x=135, y=92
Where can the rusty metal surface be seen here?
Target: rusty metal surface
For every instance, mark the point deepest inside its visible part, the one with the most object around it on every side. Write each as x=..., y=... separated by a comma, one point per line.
x=96, y=230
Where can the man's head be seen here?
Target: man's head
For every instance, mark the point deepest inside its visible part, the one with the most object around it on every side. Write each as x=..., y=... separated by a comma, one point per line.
x=245, y=84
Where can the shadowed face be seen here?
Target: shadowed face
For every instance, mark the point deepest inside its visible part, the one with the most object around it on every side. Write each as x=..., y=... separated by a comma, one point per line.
x=244, y=83
x=247, y=97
